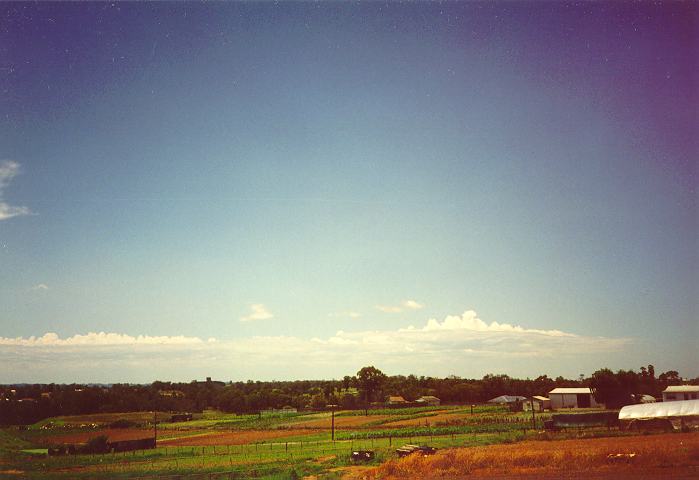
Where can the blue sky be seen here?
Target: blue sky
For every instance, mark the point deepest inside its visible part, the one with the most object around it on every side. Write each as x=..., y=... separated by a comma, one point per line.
x=268, y=175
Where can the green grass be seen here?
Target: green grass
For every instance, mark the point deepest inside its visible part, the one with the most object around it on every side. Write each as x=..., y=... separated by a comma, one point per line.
x=232, y=421
x=419, y=431
x=35, y=451
x=389, y=411
x=306, y=455
x=400, y=417
x=101, y=419
x=10, y=442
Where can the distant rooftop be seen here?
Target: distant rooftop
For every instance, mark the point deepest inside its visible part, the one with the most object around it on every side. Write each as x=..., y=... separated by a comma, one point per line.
x=571, y=390
x=681, y=389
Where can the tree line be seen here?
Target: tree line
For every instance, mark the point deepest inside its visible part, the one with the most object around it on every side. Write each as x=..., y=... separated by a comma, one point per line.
x=29, y=403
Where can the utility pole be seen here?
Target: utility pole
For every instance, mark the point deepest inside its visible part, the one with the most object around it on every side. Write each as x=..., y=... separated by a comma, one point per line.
x=155, y=426
x=332, y=425
x=533, y=417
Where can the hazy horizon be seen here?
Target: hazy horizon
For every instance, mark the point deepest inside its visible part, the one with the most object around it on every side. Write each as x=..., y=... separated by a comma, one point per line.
x=297, y=190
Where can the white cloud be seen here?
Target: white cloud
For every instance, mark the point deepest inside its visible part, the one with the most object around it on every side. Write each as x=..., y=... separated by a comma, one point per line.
x=461, y=344
x=257, y=312
x=413, y=305
x=404, y=305
x=98, y=339
x=8, y=170
x=40, y=286
x=470, y=321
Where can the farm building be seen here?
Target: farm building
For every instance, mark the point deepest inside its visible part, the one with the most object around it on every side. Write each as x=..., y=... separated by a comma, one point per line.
x=396, y=400
x=428, y=400
x=576, y=397
x=507, y=399
x=540, y=404
x=674, y=414
x=681, y=392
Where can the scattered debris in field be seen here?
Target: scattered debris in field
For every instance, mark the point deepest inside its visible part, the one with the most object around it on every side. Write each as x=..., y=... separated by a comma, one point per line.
x=362, y=455
x=423, y=450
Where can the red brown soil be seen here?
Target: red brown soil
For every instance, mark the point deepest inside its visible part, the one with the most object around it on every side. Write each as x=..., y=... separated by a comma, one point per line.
x=431, y=421
x=657, y=456
x=231, y=438
x=340, y=422
x=113, y=434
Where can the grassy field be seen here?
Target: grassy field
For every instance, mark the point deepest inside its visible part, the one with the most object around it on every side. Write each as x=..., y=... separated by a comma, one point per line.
x=248, y=446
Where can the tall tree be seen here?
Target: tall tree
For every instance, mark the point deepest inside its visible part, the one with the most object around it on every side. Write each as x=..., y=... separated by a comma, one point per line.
x=614, y=389
x=370, y=380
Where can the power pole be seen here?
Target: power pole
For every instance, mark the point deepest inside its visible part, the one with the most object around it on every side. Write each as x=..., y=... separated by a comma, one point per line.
x=533, y=417
x=332, y=425
x=155, y=426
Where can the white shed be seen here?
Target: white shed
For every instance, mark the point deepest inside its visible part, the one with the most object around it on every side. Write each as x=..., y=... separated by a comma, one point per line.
x=540, y=404
x=576, y=397
x=429, y=400
x=681, y=392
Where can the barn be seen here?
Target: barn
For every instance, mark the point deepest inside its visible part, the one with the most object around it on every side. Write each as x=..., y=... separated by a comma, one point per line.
x=575, y=397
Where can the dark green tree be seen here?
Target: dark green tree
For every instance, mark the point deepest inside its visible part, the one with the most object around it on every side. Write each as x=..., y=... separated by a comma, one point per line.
x=370, y=380
x=614, y=390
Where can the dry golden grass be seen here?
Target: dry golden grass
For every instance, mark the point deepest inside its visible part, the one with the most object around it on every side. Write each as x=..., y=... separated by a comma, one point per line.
x=667, y=452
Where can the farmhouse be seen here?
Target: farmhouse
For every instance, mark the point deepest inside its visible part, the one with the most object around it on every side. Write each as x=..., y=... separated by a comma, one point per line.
x=576, y=397
x=428, y=400
x=681, y=392
x=396, y=400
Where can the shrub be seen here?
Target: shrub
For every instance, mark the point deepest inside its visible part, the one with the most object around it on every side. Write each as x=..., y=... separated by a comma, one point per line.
x=122, y=423
x=96, y=445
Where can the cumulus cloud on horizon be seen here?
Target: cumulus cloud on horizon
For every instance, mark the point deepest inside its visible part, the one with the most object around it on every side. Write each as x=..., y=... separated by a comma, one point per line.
x=459, y=343
x=50, y=339
x=9, y=170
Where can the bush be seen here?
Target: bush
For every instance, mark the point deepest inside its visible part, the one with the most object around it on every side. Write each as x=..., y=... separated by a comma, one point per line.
x=122, y=423
x=96, y=445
